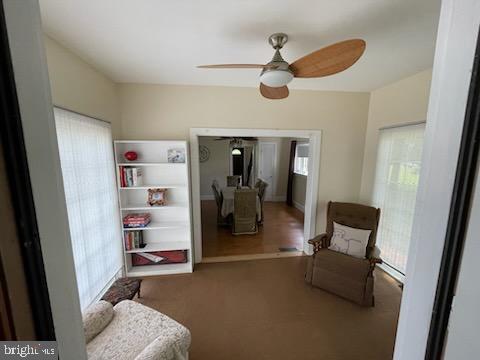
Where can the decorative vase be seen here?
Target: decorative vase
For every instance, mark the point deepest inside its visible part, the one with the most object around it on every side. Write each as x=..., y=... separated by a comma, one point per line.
x=130, y=155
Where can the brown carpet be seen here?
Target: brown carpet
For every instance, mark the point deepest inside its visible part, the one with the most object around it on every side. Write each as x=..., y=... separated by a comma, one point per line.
x=264, y=310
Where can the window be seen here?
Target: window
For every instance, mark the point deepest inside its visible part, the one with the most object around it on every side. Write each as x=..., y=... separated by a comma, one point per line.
x=86, y=157
x=301, y=159
x=395, y=190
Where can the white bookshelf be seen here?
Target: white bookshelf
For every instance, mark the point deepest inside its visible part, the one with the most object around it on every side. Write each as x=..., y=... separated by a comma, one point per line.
x=171, y=225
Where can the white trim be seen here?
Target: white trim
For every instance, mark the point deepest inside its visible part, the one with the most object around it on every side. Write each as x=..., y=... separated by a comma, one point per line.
x=25, y=37
x=394, y=126
x=275, y=167
x=299, y=206
x=392, y=272
x=117, y=275
x=454, y=54
x=313, y=136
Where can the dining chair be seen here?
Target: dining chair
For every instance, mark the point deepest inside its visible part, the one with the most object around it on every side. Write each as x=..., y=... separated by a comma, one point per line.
x=261, y=186
x=219, y=200
x=245, y=212
x=233, y=180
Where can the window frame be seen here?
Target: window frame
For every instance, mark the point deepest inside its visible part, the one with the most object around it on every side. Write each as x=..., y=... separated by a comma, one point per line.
x=399, y=164
x=300, y=164
x=117, y=245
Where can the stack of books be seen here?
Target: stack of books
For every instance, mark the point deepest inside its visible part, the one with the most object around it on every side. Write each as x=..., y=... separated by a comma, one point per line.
x=130, y=176
x=133, y=240
x=138, y=220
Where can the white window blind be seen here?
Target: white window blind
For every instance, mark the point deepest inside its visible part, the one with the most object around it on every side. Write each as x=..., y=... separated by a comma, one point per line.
x=395, y=190
x=86, y=156
x=301, y=159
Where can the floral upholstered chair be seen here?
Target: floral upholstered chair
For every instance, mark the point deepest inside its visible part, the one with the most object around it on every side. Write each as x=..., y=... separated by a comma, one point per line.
x=132, y=331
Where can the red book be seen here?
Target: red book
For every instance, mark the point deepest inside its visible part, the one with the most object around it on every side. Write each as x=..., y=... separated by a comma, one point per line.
x=136, y=217
x=122, y=176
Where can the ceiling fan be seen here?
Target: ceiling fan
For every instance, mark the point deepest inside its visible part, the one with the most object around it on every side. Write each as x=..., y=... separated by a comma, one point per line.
x=237, y=140
x=278, y=73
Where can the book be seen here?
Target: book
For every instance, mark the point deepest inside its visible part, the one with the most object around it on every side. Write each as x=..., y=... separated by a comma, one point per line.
x=151, y=257
x=136, y=177
x=136, y=220
x=133, y=240
x=130, y=176
x=122, y=176
x=128, y=240
x=167, y=257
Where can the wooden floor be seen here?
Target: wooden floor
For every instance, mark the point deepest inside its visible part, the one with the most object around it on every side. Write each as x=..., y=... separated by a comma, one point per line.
x=264, y=310
x=283, y=227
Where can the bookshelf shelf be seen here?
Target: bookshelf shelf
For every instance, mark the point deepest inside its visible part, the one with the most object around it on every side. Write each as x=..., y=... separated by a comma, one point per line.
x=161, y=246
x=152, y=186
x=133, y=163
x=170, y=226
x=146, y=207
x=159, y=226
x=151, y=270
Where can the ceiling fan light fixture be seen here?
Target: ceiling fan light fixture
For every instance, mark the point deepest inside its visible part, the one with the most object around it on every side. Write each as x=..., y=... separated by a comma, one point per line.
x=278, y=73
x=276, y=78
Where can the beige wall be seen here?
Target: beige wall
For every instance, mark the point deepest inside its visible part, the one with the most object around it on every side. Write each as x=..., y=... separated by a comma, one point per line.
x=216, y=167
x=299, y=189
x=401, y=102
x=79, y=87
x=168, y=112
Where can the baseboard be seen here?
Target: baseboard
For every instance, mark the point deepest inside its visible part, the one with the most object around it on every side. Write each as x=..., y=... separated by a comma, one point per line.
x=207, y=197
x=299, y=206
x=392, y=272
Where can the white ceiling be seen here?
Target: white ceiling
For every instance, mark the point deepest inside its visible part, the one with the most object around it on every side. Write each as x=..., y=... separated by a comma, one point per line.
x=159, y=41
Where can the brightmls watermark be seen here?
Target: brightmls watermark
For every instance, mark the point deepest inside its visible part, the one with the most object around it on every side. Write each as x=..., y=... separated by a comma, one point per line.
x=38, y=350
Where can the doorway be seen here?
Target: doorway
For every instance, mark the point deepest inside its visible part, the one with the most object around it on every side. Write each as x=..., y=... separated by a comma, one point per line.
x=311, y=191
x=267, y=164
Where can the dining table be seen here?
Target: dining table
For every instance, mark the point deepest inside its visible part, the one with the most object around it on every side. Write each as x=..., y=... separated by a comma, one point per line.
x=228, y=204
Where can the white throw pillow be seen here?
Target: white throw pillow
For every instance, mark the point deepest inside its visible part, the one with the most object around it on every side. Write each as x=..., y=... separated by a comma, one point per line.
x=350, y=241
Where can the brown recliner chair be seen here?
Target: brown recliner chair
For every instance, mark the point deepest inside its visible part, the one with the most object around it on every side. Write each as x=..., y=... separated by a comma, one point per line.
x=344, y=275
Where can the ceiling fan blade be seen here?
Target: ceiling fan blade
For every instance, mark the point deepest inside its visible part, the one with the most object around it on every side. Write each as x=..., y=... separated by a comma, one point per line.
x=329, y=60
x=274, y=92
x=249, y=138
x=235, y=66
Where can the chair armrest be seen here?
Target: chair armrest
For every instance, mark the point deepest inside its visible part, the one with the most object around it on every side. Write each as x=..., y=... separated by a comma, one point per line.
x=96, y=318
x=375, y=259
x=376, y=252
x=319, y=242
x=375, y=256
